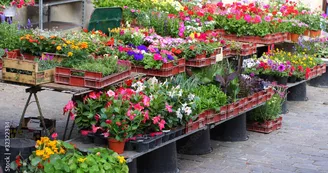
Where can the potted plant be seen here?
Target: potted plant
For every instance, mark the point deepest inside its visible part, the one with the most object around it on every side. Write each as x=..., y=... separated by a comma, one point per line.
x=266, y=118
x=314, y=23
x=296, y=30
x=123, y=116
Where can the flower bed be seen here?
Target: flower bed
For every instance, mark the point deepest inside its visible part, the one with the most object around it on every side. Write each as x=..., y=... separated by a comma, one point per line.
x=89, y=79
x=266, y=127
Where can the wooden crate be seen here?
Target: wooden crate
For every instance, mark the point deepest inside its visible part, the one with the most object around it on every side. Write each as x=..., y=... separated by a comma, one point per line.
x=26, y=72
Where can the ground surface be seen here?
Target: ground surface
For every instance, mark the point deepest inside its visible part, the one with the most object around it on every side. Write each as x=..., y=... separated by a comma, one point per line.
x=300, y=146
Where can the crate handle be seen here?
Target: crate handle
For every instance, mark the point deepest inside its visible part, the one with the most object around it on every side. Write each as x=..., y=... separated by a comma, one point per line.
x=77, y=72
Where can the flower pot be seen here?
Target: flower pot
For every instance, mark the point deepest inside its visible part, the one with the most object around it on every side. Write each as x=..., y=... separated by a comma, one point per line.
x=306, y=33
x=201, y=56
x=10, y=11
x=294, y=37
x=115, y=145
x=289, y=36
x=282, y=80
x=99, y=140
x=315, y=33
x=292, y=79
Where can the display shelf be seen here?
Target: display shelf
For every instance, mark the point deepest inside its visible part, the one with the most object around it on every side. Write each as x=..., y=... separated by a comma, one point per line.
x=47, y=3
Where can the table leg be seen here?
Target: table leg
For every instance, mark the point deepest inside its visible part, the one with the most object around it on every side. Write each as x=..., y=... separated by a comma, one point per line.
x=23, y=114
x=66, y=126
x=41, y=115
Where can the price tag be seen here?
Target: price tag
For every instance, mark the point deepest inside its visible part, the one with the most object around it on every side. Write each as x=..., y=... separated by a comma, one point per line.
x=219, y=57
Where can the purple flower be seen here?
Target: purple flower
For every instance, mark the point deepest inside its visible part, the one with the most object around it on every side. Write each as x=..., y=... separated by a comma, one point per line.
x=281, y=68
x=138, y=56
x=252, y=74
x=164, y=60
x=143, y=47
x=270, y=62
x=131, y=45
x=130, y=53
x=29, y=24
x=170, y=57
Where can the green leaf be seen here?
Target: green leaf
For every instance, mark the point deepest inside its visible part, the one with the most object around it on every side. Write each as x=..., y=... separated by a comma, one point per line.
x=67, y=145
x=35, y=161
x=73, y=167
x=83, y=165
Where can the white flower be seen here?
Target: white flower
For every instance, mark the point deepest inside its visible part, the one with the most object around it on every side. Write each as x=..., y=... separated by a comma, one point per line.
x=191, y=97
x=171, y=94
x=180, y=93
x=184, y=105
x=188, y=110
x=179, y=115
x=153, y=80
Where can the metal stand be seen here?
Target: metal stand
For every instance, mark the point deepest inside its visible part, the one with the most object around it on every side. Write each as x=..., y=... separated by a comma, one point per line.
x=33, y=91
x=232, y=130
x=196, y=144
x=297, y=93
x=162, y=160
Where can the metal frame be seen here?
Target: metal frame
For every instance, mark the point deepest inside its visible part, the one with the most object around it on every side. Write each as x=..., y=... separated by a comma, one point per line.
x=41, y=5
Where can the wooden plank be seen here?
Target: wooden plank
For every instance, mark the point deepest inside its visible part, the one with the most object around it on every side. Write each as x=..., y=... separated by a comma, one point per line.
x=20, y=64
x=36, y=78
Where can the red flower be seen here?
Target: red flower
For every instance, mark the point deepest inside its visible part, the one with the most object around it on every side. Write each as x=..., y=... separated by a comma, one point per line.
x=200, y=14
x=97, y=117
x=93, y=95
x=171, y=16
x=111, y=42
x=209, y=18
x=118, y=123
x=108, y=121
x=190, y=12
x=192, y=47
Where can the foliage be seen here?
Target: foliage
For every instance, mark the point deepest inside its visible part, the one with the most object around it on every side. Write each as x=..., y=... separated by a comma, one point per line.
x=59, y=156
x=10, y=35
x=271, y=110
x=210, y=97
x=46, y=63
x=107, y=65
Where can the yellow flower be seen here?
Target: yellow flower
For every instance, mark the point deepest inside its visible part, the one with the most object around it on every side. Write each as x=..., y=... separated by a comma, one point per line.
x=82, y=159
x=64, y=45
x=62, y=151
x=70, y=54
x=121, y=159
x=192, y=35
x=39, y=152
x=59, y=48
x=68, y=42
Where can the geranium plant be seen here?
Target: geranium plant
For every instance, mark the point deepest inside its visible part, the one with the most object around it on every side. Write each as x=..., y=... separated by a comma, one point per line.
x=17, y=3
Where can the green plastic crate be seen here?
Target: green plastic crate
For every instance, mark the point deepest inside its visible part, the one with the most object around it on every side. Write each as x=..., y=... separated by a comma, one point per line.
x=105, y=18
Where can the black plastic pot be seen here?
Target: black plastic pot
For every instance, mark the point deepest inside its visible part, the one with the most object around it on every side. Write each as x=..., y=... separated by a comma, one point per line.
x=297, y=93
x=166, y=136
x=292, y=79
x=282, y=80
x=133, y=166
x=162, y=160
x=270, y=78
x=100, y=140
x=172, y=135
x=130, y=146
x=24, y=147
x=232, y=130
x=284, y=109
x=196, y=144
x=88, y=139
x=179, y=131
x=159, y=139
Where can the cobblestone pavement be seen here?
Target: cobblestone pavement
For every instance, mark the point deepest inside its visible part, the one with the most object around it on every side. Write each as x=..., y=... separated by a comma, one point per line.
x=300, y=146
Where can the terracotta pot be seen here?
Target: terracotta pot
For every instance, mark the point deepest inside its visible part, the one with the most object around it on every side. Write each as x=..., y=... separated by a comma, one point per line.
x=315, y=33
x=306, y=33
x=289, y=36
x=115, y=145
x=294, y=37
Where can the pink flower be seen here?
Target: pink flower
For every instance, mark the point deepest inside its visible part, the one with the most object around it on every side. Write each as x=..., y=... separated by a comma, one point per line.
x=108, y=121
x=157, y=57
x=97, y=117
x=161, y=124
x=72, y=116
x=95, y=129
x=108, y=104
x=110, y=93
x=146, y=100
x=138, y=107
x=146, y=116
x=156, y=119
x=85, y=98
x=267, y=18
x=164, y=60
x=133, y=10
x=84, y=132
x=69, y=106
x=106, y=134
x=248, y=18
x=54, y=135
x=93, y=95
x=168, y=107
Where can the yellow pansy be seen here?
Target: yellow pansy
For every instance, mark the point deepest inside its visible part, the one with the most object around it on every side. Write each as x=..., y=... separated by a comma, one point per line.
x=82, y=159
x=39, y=152
x=121, y=159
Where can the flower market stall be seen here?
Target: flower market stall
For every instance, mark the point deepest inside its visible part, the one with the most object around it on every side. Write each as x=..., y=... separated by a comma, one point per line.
x=165, y=77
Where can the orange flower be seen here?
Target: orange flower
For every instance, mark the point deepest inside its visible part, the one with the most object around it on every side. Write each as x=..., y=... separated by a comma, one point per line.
x=192, y=47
